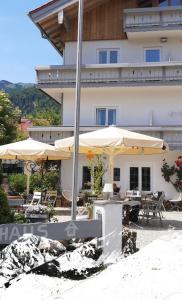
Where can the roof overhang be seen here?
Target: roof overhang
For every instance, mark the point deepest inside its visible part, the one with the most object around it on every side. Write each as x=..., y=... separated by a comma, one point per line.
x=53, y=19
x=45, y=17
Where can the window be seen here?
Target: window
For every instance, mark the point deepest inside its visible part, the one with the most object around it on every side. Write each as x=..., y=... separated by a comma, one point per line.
x=108, y=56
x=164, y=3
x=134, y=178
x=86, y=178
x=152, y=55
x=146, y=186
x=113, y=57
x=102, y=57
x=116, y=174
x=105, y=116
x=175, y=2
x=140, y=178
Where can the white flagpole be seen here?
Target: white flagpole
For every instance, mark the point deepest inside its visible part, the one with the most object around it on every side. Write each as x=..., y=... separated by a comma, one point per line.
x=77, y=111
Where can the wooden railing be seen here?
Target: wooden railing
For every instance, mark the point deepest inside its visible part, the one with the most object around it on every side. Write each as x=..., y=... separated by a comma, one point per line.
x=150, y=18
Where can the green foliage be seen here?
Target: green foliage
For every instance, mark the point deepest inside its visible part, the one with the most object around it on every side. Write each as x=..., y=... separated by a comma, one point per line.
x=1, y=172
x=30, y=100
x=46, y=117
x=49, y=181
x=9, y=117
x=6, y=216
x=20, y=218
x=20, y=136
x=173, y=174
x=96, y=167
x=17, y=183
x=51, y=211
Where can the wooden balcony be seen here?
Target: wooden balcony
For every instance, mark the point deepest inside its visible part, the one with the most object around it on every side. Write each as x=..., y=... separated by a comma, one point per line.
x=153, y=19
x=140, y=74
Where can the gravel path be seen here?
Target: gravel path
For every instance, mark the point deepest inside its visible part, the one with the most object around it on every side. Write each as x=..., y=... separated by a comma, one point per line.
x=146, y=233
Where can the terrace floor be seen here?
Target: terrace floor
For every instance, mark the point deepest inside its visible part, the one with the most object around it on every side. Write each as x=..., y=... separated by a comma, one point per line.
x=146, y=233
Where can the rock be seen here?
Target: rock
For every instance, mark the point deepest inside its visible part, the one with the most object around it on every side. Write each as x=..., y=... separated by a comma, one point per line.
x=25, y=254
x=76, y=265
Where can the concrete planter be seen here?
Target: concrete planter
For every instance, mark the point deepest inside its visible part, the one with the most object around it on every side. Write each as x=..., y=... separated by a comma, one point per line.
x=34, y=218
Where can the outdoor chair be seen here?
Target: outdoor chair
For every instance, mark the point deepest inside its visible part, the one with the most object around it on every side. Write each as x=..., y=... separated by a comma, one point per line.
x=36, y=200
x=68, y=196
x=175, y=202
x=51, y=197
x=153, y=208
x=129, y=193
x=26, y=199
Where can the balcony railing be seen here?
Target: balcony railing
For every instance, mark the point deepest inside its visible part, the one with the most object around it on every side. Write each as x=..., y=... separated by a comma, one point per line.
x=171, y=134
x=112, y=75
x=154, y=18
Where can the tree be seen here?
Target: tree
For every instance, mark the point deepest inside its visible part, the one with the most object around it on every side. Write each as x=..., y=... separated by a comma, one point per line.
x=9, y=117
x=45, y=117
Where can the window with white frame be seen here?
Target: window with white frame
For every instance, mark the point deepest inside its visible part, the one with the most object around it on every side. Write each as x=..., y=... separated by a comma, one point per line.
x=140, y=178
x=152, y=55
x=105, y=116
x=107, y=56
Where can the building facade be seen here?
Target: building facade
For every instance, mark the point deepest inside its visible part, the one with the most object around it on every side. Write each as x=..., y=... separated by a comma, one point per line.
x=131, y=77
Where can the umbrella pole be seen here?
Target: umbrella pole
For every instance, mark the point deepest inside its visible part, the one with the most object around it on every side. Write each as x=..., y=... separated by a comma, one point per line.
x=28, y=184
x=111, y=167
x=77, y=111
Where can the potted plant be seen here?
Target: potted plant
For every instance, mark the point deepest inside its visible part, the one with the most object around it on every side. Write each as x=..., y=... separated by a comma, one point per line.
x=37, y=213
x=89, y=208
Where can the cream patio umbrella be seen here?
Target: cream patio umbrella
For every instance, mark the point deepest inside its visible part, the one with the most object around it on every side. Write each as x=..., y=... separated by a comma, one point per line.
x=114, y=141
x=31, y=150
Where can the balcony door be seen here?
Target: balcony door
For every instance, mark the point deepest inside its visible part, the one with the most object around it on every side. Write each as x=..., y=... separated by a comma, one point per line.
x=140, y=178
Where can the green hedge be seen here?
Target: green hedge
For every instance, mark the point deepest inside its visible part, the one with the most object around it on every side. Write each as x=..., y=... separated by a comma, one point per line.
x=49, y=181
x=6, y=216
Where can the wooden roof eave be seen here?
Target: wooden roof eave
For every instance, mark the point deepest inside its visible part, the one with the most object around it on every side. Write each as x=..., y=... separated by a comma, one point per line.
x=43, y=17
x=45, y=35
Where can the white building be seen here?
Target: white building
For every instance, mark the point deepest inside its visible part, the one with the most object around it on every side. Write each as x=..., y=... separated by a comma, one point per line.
x=132, y=77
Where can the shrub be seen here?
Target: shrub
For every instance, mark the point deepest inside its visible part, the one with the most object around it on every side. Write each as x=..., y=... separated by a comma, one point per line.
x=6, y=216
x=17, y=183
x=20, y=218
x=49, y=181
x=173, y=174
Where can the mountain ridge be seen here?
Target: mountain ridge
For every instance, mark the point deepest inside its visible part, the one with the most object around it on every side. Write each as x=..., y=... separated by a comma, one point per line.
x=27, y=97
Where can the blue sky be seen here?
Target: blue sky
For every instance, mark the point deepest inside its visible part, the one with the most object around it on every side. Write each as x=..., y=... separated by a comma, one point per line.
x=21, y=45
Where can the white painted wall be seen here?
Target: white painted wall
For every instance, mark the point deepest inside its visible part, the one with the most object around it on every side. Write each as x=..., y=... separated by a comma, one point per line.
x=130, y=51
x=135, y=106
x=124, y=163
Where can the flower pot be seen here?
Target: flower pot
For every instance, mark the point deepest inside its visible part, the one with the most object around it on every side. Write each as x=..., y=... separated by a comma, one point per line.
x=90, y=213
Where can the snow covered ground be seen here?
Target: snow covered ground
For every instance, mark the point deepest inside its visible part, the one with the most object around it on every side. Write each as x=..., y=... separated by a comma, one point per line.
x=155, y=272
